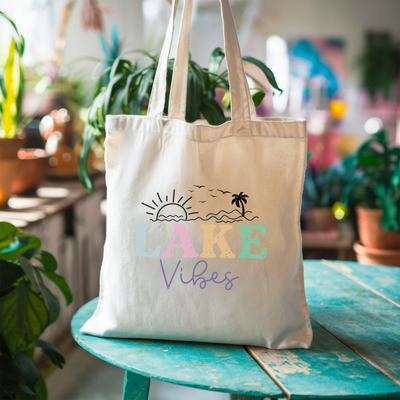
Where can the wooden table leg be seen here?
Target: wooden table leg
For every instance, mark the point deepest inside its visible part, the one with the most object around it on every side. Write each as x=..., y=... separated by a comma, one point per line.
x=136, y=387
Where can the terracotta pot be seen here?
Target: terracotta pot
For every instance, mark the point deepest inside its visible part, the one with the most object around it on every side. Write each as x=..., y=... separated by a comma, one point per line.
x=368, y=255
x=371, y=232
x=320, y=219
x=32, y=170
x=9, y=165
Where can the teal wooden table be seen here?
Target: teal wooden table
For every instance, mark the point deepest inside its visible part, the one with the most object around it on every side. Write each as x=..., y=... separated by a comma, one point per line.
x=355, y=354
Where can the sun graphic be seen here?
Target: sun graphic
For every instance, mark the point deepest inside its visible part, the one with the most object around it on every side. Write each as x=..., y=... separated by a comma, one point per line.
x=163, y=210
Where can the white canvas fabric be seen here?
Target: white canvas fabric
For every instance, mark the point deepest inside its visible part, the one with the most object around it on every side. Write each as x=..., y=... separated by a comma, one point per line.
x=203, y=236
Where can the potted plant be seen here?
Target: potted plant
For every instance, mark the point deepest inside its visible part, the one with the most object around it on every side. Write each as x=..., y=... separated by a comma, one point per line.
x=28, y=165
x=321, y=195
x=27, y=308
x=129, y=87
x=11, y=93
x=377, y=176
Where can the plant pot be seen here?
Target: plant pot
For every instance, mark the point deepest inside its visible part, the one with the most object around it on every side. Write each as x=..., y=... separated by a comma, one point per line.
x=369, y=255
x=9, y=165
x=371, y=232
x=319, y=219
x=33, y=164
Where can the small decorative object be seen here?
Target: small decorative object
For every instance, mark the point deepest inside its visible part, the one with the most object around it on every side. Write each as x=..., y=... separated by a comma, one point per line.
x=377, y=176
x=27, y=308
x=203, y=236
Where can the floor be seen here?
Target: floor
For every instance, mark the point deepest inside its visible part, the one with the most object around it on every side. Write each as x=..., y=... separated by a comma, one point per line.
x=85, y=377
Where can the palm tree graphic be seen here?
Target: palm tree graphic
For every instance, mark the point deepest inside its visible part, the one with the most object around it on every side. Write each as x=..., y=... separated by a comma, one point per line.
x=240, y=200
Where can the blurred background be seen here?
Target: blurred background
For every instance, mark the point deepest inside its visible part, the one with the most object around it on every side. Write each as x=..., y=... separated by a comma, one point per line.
x=336, y=61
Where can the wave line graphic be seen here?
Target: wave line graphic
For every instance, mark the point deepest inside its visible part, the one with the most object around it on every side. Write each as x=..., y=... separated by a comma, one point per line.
x=218, y=220
x=227, y=213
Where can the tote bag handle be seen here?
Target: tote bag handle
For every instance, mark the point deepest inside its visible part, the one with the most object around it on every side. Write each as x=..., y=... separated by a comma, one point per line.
x=242, y=105
x=177, y=103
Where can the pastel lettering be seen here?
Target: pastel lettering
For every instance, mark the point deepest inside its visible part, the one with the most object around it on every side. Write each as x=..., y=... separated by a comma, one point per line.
x=185, y=243
x=210, y=240
x=247, y=241
x=141, y=242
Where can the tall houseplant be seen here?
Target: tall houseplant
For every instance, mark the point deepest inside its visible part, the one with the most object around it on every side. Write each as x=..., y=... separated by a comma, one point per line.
x=129, y=87
x=377, y=176
x=12, y=85
x=27, y=308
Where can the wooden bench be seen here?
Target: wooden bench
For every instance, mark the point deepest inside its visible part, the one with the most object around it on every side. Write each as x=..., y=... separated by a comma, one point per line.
x=355, y=312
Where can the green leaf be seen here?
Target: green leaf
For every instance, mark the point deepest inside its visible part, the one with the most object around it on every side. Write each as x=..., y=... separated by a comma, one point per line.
x=193, y=98
x=212, y=112
x=13, y=383
x=201, y=76
x=390, y=218
x=128, y=86
x=258, y=98
x=117, y=102
x=267, y=72
x=87, y=140
x=215, y=61
x=29, y=271
x=51, y=301
x=27, y=370
x=395, y=178
x=24, y=243
x=47, y=260
x=6, y=228
x=60, y=282
x=23, y=317
x=107, y=95
x=144, y=85
x=9, y=273
x=4, y=349
x=51, y=351
x=98, y=88
x=349, y=187
x=41, y=389
x=21, y=45
x=115, y=66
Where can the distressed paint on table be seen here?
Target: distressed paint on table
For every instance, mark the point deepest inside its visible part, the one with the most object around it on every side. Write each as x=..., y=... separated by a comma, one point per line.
x=364, y=321
x=329, y=369
x=136, y=387
x=385, y=280
x=224, y=368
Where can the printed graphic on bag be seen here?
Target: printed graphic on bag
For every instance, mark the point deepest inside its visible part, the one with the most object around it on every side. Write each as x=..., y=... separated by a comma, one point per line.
x=179, y=209
x=174, y=211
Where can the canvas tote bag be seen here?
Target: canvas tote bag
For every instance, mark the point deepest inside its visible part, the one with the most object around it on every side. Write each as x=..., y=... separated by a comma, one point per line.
x=203, y=238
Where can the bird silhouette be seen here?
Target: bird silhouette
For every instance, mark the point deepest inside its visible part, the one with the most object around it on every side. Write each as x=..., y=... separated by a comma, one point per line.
x=211, y=190
x=191, y=191
x=223, y=191
x=212, y=195
x=202, y=202
x=199, y=186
